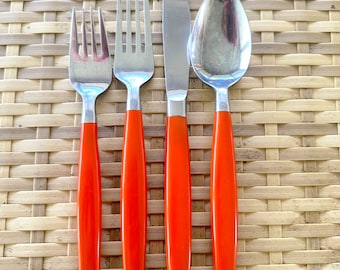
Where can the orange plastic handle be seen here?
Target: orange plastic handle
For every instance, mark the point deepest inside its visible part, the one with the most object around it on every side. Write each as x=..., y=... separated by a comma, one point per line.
x=177, y=194
x=223, y=194
x=133, y=193
x=89, y=211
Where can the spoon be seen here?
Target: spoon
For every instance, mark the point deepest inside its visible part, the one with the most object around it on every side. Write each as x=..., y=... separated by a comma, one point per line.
x=220, y=50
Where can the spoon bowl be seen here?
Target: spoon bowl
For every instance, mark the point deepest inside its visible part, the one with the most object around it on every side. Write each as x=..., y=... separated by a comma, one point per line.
x=220, y=46
x=220, y=51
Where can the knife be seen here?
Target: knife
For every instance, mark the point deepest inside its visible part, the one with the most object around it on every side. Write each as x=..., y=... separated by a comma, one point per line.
x=177, y=183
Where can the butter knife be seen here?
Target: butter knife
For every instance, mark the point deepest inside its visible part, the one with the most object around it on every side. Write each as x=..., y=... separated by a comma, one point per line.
x=176, y=32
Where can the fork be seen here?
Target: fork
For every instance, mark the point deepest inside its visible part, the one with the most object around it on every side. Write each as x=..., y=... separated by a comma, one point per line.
x=90, y=74
x=133, y=66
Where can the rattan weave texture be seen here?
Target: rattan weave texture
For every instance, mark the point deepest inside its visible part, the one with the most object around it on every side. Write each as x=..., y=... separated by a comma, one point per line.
x=286, y=115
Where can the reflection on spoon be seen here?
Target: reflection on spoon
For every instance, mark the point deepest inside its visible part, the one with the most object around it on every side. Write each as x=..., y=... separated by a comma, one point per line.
x=228, y=21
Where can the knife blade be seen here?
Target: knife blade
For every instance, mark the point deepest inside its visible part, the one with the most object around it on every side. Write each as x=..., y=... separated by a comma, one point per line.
x=177, y=181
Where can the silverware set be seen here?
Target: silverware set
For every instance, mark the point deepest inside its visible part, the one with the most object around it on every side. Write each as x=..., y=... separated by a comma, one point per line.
x=219, y=48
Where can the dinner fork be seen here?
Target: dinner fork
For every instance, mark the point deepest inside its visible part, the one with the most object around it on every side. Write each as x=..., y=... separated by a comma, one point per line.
x=90, y=74
x=133, y=65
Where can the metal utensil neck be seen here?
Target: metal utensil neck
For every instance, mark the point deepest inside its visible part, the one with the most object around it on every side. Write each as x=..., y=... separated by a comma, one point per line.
x=222, y=99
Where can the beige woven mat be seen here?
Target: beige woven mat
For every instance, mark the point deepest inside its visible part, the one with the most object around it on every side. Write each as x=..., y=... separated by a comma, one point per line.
x=286, y=126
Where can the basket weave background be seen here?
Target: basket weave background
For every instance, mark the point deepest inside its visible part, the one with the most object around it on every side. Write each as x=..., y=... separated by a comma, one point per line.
x=286, y=115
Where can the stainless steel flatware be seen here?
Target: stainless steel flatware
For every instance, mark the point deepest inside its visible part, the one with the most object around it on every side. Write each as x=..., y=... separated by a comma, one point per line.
x=90, y=74
x=133, y=65
x=176, y=31
x=220, y=51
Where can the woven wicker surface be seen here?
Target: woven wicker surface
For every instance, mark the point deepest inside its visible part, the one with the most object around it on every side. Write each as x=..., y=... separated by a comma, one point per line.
x=286, y=126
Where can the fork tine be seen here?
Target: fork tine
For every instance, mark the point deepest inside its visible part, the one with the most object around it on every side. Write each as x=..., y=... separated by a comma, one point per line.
x=103, y=37
x=84, y=39
x=138, y=28
x=128, y=28
x=147, y=25
x=119, y=31
x=93, y=38
x=74, y=35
